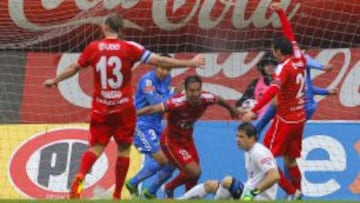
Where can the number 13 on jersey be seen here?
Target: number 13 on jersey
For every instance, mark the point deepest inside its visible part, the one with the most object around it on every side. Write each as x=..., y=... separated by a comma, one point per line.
x=109, y=80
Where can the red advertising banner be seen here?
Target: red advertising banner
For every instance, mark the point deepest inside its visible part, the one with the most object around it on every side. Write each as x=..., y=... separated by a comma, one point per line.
x=211, y=25
x=226, y=74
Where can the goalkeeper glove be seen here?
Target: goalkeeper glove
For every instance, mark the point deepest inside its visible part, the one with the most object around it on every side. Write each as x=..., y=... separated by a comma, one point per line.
x=250, y=195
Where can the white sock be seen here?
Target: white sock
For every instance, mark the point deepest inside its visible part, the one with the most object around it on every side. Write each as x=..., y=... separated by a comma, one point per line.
x=222, y=193
x=197, y=192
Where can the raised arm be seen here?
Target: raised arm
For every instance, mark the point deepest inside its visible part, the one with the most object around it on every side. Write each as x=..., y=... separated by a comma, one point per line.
x=286, y=28
x=67, y=73
x=156, y=60
x=151, y=109
x=234, y=112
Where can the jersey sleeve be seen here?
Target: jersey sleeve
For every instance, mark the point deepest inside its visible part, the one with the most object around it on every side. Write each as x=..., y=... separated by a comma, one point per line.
x=265, y=161
x=84, y=59
x=280, y=77
x=208, y=98
x=248, y=94
x=171, y=104
x=138, y=53
x=288, y=32
x=148, y=89
x=320, y=91
x=313, y=63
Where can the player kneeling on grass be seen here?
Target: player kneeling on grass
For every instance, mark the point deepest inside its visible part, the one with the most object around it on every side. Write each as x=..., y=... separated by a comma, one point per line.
x=261, y=170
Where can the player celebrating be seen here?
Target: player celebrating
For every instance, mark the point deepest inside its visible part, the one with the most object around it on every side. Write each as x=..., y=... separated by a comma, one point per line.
x=284, y=137
x=113, y=112
x=261, y=170
x=153, y=88
x=176, y=140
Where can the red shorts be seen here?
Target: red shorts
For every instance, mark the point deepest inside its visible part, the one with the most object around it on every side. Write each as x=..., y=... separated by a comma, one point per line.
x=179, y=152
x=284, y=138
x=120, y=125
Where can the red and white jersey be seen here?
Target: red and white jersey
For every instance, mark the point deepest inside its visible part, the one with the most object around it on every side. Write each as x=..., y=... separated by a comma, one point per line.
x=289, y=76
x=112, y=60
x=258, y=161
x=182, y=115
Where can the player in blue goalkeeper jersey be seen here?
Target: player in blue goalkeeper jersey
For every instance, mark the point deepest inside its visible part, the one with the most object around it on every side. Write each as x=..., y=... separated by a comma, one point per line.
x=310, y=91
x=153, y=88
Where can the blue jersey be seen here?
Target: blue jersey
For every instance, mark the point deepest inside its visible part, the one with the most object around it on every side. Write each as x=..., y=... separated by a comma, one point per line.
x=152, y=91
x=311, y=90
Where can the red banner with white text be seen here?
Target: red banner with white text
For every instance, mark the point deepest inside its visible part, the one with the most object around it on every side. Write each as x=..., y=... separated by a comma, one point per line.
x=226, y=74
x=184, y=25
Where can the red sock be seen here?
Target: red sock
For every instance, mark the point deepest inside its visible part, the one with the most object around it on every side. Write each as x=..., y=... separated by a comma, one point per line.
x=285, y=184
x=87, y=161
x=121, y=169
x=180, y=179
x=295, y=176
x=190, y=184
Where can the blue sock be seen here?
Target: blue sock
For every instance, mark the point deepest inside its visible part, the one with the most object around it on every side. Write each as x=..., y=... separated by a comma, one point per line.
x=163, y=175
x=149, y=169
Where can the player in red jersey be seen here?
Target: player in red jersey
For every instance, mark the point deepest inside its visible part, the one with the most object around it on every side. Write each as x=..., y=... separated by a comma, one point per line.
x=113, y=113
x=177, y=139
x=285, y=134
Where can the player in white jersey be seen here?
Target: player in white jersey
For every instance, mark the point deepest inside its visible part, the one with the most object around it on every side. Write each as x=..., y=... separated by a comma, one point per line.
x=261, y=169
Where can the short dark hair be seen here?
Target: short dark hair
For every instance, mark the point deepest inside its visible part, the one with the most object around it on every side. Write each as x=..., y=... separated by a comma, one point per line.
x=115, y=22
x=192, y=79
x=283, y=44
x=249, y=129
x=267, y=59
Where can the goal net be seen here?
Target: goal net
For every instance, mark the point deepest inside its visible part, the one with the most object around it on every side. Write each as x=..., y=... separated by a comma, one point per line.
x=44, y=131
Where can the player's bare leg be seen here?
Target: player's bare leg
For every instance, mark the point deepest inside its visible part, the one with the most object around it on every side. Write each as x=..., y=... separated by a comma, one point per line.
x=188, y=175
x=121, y=168
x=223, y=189
x=87, y=161
x=160, y=157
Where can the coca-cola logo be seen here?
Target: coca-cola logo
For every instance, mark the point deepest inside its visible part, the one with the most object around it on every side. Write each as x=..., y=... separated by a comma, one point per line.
x=92, y=12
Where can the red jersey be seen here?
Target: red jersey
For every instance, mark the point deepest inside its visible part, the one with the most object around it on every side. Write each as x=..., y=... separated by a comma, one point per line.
x=182, y=115
x=112, y=60
x=288, y=81
x=289, y=76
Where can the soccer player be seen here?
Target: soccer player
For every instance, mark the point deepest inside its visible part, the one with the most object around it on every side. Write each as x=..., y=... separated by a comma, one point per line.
x=177, y=141
x=153, y=88
x=284, y=137
x=113, y=113
x=310, y=92
x=258, y=86
x=261, y=170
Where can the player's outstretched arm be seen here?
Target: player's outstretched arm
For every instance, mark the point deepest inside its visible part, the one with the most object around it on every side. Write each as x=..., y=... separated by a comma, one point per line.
x=197, y=61
x=67, y=73
x=285, y=24
x=150, y=109
x=234, y=112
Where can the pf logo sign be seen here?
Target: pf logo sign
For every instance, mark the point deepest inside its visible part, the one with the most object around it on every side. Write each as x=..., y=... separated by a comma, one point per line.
x=44, y=165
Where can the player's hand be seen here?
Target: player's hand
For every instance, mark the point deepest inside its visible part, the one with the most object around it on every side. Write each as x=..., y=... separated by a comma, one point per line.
x=249, y=116
x=333, y=91
x=50, y=83
x=198, y=61
x=276, y=6
x=328, y=67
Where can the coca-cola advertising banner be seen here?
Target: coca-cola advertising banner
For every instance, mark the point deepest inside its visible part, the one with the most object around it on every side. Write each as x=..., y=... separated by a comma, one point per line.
x=226, y=74
x=178, y=25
